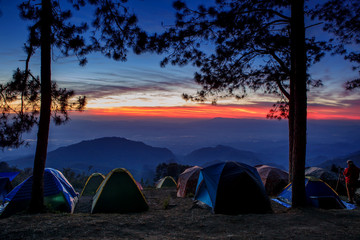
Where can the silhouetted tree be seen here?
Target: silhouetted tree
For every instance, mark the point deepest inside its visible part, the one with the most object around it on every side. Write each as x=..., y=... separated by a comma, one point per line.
x=77, y=180
x=342, y=18
x=23, y=174
x=242, y=46
x=50, y=29
x=160, y=171
x=5, y=167
x=115, y=30
x=169, y=169
x=298, y=98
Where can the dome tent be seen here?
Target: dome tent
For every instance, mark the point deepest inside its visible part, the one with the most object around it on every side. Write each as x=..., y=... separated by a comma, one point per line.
x=5, y=183
x=232, y=188
x=274, y=179
x=59, y=195
x=5, y=188
x=187, y=181
x=318, y=194
x=9, y=175
x=92, y=184
x=118, y=193
x=331, y=178
x=166, y=182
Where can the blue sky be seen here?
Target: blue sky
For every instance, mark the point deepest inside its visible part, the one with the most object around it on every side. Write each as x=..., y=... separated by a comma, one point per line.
x=101, y=77
x=141, y=82
x=140, y=86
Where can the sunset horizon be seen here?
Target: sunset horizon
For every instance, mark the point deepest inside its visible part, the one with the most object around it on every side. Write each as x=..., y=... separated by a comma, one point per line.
x=209, y=111
x=139, y=87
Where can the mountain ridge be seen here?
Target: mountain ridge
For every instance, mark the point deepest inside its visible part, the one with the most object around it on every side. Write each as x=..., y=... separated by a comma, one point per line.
x=221, y=153
x=106, y=153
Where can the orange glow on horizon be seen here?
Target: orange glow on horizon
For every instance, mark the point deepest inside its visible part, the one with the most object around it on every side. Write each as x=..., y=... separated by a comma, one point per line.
x=223, y=111
x=206, y=111
x=333, y=113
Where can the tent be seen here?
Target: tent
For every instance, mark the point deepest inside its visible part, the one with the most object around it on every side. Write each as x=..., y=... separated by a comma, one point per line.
x=318, y=194
x=59, y=195
x=118, y=193
x=5, y=188
x=274, y=179
x=232, y=188
x=92, y=184
x=9, y=175
x=329, y=177
x=166, y=182
x=5, y=183
x=187, y=181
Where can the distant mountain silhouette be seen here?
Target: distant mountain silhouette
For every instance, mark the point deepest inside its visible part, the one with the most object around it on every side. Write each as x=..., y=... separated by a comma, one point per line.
x=221, y=153
x=341, y=161
x=105, y=154
x=326, y=140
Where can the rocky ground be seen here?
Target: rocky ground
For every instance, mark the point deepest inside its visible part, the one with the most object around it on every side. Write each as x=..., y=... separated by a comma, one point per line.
x=170, y=217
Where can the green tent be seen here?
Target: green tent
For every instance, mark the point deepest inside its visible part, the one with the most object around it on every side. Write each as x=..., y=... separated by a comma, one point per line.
x=92, y=184
x=166, y=182
x=118, y=193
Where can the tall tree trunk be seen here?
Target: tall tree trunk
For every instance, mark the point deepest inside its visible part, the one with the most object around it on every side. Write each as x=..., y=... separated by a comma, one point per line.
x=291, y=110
x=291, y=130
x=37, y=195
x=298, y=59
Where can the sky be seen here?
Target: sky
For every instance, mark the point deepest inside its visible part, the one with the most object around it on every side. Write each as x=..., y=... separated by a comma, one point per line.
x=141, y=101
x=140, y=88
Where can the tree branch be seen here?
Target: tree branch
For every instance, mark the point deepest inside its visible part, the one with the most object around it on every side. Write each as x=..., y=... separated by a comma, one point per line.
x=313, y=25
x=285, y=69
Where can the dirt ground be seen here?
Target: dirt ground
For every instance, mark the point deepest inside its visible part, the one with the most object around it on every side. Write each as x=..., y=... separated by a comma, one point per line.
x=182, y=220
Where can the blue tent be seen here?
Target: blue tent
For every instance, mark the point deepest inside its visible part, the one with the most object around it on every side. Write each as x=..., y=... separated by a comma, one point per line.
x=5, y=187
x=9, y=175
x=232, y=188
x=318, y=194
x=59, y=195
x=5, y=183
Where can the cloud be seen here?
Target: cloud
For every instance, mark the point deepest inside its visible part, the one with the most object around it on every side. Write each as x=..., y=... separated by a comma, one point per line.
x=126, y=89
x=100, y=84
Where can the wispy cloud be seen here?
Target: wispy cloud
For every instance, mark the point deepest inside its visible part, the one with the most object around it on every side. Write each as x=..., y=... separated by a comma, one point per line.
x=99, y=84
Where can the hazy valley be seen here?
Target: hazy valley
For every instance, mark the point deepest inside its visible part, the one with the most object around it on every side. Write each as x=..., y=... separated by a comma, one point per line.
x=141, y=146
x=89, y=145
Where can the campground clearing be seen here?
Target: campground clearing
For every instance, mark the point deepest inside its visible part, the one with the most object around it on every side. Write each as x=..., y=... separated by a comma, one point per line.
x=170, y=217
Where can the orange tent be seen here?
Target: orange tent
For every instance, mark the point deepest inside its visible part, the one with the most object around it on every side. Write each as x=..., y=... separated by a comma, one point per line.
x=187, y=181
x=274, y=179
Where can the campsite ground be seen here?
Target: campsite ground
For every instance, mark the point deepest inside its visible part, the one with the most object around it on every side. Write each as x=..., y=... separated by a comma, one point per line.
x=181, y=220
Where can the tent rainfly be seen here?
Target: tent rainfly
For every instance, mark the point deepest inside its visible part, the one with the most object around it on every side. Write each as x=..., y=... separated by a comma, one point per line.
x=119, y=193
x=274, y=179
x=166, y=182
x=318, y=194
x=187, y=181
x=92, y=184
x=232, y=188
x=59, y=195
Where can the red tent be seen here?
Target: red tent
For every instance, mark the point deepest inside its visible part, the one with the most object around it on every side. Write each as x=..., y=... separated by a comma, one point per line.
x=274, y=179
x=187, y=181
